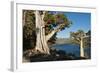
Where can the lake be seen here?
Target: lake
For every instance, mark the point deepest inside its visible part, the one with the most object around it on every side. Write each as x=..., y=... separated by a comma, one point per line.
x=71, y=48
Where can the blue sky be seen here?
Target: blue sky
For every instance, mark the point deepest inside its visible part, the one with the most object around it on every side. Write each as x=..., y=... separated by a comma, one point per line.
x=80, y=21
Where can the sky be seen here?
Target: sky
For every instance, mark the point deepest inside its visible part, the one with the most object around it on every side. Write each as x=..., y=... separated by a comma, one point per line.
x=79, y=21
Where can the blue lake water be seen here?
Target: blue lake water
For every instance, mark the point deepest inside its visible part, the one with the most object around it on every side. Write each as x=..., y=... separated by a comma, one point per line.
x=71, y=48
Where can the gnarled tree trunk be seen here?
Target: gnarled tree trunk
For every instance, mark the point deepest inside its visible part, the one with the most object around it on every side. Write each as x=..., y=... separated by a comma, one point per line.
x=81, y=48
x=41, y=43
x=42, y=39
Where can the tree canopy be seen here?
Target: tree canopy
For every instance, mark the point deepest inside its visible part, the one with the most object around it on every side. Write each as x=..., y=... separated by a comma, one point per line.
x=76, y=37
x=53, y=21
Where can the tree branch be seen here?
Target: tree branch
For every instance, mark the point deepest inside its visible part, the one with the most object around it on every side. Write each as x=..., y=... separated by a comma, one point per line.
x=43, y=15
x=77, y=39
x=53, y=32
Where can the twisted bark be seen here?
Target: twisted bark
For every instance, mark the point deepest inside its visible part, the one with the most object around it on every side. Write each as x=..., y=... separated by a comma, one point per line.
x=41, y=43
x=41, y=40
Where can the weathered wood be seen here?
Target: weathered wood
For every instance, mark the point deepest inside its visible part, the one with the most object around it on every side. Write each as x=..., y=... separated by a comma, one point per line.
x=81, y=48
x=41, y=43
x=57, y=29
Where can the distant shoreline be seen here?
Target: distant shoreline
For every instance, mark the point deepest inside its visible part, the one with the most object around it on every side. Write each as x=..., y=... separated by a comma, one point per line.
x=63, y=41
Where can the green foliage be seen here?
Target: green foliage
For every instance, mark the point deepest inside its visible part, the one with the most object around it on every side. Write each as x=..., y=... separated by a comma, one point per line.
x=51, y=21
x=29, y=36
x=76, y=36
x=49, y=18
x=88, y=33
x=87, y=40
